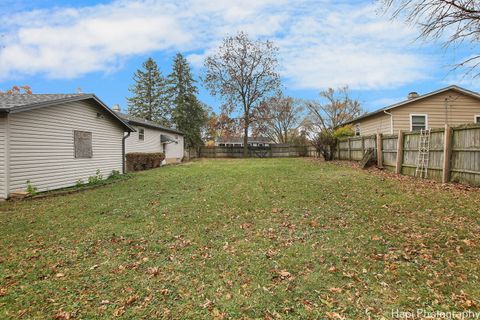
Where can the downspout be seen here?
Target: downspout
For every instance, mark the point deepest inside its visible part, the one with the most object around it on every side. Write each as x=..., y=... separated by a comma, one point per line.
x=7, y=156
x=391, y=120
x=123, y=151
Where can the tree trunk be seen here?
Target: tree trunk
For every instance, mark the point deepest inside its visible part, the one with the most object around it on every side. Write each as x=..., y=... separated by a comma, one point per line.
x=245, y=141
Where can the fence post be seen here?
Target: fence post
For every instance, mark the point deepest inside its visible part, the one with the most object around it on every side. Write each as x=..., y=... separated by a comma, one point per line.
x=398, y=166
x=349, y=150
x=363, y=146
x=379, y=151
x=447, y=154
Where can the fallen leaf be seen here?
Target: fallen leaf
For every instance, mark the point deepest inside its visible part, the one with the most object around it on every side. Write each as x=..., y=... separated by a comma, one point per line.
x=131, y=299
x=62, y=315
x=335, y=290
x=119, y=311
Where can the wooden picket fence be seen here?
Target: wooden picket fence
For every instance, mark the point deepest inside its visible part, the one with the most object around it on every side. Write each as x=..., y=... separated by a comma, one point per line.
x=454, y=152
x=273, y=151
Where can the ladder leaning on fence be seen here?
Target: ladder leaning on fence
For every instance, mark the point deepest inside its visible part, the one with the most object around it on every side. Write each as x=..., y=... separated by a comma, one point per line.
x=423, y=154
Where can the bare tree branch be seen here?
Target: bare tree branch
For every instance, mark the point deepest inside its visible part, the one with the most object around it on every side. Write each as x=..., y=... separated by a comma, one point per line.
x=243, y=72
x=455, y=21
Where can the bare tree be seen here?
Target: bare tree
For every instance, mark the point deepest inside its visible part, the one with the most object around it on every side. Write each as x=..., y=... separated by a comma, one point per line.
x=277, y=117
x=18, y=90
x=453, y=21
x=333, y=109
x=243, y=72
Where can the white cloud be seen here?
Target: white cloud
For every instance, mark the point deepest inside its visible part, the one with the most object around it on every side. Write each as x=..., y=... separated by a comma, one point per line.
x=321, y=44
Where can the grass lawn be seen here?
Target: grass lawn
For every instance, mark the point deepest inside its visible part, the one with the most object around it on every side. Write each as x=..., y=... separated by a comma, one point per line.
x=260, y=238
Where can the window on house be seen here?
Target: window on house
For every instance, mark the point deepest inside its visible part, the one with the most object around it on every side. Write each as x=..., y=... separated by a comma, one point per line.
x=82, y=143
x=221, y=145
x=477, y=118
x=357, y=129
x=141, y=134
x=418, y=122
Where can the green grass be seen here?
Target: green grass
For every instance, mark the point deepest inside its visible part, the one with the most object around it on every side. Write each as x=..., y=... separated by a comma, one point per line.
x=260, y=238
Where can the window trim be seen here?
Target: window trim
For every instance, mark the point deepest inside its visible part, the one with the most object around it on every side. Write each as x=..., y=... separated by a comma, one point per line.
x=357, y=126
x=143, y=134
x=76, y=155
x=418, y=115
x=475, y=118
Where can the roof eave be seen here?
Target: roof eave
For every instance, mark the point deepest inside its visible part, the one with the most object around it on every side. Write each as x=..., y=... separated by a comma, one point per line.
x=405, y=102
x=37, y=105
x=152, y=126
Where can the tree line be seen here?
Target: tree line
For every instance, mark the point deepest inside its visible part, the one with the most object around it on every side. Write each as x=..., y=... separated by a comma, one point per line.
x=170, y=100
x=243, y=73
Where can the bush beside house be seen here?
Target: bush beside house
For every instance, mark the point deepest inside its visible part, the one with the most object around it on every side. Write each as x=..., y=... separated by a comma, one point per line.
x=137, y=161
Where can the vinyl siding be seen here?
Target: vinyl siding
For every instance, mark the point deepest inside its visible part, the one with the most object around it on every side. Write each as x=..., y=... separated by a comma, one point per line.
x=461, y=110
x=150, y=144
x=42, y=148
x=173, y=151
x=3, y=127
x=380, y=123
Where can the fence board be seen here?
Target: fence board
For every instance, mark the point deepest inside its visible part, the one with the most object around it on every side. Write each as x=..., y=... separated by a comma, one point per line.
x=465, y=153
x=389, y=150
x=274, y=151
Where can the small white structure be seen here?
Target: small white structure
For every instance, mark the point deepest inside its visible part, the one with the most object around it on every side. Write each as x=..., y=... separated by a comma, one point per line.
x=55, y=140
x=151, y=137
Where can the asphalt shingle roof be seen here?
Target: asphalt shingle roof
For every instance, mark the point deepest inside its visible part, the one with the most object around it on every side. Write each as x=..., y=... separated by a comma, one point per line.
x=142, y=122
x=12, y=101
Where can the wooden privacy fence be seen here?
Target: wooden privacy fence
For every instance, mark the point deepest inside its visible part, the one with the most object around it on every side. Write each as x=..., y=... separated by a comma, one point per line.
x=273, y=151
x=454, y=152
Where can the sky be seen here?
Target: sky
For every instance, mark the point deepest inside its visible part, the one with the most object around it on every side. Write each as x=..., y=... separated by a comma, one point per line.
x=60, y=46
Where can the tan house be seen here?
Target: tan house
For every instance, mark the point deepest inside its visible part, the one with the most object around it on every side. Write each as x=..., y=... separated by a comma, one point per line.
x=51, y=141
x=451, y=105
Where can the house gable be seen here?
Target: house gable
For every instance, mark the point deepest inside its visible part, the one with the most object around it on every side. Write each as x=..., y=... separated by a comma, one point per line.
x=452, y=105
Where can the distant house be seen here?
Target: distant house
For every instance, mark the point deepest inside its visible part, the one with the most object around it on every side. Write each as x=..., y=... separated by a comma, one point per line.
x=55, y=140
x=451, y=105
x=151, y=137
x=238, y=142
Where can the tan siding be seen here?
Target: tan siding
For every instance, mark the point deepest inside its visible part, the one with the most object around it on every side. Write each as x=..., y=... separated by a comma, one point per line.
x=173, y=151
x=375, y=124
x=3, y=126
x=462, y=109
x=42, y=150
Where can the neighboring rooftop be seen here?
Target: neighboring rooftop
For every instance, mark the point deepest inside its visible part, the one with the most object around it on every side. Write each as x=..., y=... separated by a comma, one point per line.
x=412, y=97
x=146, y=123
x=240, y=139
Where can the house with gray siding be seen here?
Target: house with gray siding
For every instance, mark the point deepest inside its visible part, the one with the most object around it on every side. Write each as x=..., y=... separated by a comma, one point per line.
x=55, y=140
x=152, y=137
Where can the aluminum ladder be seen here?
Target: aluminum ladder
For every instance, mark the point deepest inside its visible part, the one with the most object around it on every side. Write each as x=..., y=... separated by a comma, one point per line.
x=423, y=154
